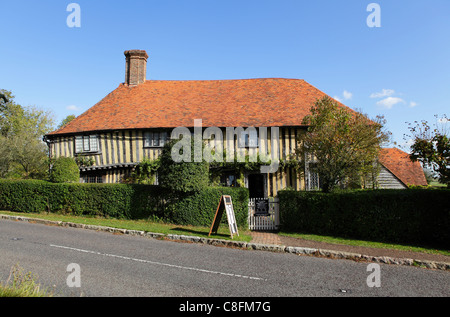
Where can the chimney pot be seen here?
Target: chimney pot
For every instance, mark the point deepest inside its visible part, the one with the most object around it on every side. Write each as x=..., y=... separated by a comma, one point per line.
x=136, y=67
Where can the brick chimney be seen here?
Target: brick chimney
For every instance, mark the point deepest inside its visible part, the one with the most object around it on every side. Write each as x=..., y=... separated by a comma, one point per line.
x=136, y=67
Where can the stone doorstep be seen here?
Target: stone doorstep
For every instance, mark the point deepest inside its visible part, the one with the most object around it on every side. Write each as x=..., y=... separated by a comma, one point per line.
x=245, y=245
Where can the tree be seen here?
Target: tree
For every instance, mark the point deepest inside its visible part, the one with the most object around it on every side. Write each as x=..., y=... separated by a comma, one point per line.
x=22, y=151
x=432, y=147
x=66, y=121
x=345, y=143
x=10, y=112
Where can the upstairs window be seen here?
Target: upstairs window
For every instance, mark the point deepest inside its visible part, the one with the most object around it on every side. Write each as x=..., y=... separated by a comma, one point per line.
x=155, y=139
x=248, y=138
x=86, y=144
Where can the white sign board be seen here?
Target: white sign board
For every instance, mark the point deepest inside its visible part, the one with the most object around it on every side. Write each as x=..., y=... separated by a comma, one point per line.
x=225, y=204
x=231, y=216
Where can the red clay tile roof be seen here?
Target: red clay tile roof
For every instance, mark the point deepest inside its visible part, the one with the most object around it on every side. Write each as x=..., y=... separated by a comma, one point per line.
x=219, y=103
x=399, y=164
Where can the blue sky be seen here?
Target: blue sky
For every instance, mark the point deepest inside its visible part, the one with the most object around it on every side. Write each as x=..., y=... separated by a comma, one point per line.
x=400, y=70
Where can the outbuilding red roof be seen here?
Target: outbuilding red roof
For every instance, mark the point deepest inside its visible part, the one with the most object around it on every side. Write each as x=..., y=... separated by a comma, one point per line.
x=399, y=164
x=265, y=102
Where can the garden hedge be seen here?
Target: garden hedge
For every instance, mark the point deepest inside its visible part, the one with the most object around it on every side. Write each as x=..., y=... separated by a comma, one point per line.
x=199, y=208
x=413, y=216
x=122, y=201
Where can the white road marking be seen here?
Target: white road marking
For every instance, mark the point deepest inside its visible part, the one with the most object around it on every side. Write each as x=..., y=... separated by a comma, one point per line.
x=158, y=263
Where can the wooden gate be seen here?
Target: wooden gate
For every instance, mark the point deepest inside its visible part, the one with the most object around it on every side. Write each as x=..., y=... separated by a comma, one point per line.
x=264, y=214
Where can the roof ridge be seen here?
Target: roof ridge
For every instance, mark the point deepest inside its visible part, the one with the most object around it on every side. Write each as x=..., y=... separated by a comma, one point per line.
x=229, y=79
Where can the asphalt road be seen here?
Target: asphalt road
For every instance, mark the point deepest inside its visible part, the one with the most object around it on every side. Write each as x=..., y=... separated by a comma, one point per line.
x=126, y=266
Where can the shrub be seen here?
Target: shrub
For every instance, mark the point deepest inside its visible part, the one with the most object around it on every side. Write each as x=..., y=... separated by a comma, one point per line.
x=413, y=216
x=144, y=172
x=182, y=177
x=65, y=170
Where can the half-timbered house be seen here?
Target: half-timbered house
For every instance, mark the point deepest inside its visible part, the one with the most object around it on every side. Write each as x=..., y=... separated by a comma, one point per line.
x=135, y=120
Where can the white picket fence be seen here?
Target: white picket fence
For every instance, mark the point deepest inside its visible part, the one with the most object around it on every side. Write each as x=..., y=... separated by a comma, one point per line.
x=264, y=214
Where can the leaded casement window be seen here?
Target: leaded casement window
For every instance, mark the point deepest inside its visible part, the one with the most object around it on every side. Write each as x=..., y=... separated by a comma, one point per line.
x=312, y=179
x=92, y=179
x=86, y=144
x=155, y=139
x=229, y=180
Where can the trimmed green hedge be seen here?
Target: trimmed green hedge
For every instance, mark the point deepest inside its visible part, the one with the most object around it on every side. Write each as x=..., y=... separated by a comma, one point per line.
x=126, y=201
x=413, y=216
x=116, y=201
x=200, y=208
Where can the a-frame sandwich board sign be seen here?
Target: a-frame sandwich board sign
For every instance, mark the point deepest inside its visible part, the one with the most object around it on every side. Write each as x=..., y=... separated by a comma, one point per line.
x=225, y=204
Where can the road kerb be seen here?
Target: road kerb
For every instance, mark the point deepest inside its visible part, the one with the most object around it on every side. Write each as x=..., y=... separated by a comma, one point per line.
x=244, y=245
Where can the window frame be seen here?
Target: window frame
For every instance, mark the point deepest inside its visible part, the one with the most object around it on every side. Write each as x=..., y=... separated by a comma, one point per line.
x=84, y=144
x=246, y=140
x=93, y=179
x=229, y=179
x=150, y=139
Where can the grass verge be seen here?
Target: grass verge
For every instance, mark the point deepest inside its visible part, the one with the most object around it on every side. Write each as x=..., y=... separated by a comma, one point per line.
x=362, y=243
x=223, y=232
x=140, y=225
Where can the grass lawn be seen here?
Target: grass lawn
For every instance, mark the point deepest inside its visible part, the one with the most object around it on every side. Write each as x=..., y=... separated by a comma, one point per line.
x=437, y=184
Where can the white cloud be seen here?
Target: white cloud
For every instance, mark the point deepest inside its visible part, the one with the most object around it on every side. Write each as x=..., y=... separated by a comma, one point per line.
x=389, y=102
x=383, y=93
x=444, y=120
x=73, y=108
x=347, y=95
